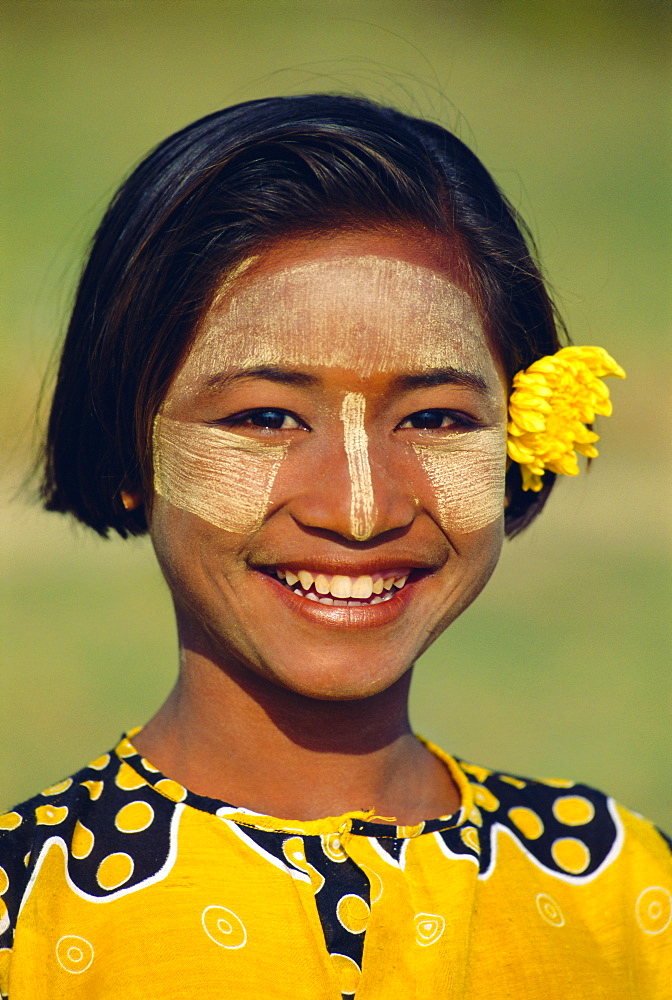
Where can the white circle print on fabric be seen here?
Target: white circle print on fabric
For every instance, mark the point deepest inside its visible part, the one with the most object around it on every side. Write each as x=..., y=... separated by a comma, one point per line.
x=74, y=953
x=224, y=927
x=549, y=910
x=428, y=928
x=654, y=909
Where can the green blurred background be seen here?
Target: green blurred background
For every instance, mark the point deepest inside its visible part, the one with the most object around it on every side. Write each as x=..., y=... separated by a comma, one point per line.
x=562, y=666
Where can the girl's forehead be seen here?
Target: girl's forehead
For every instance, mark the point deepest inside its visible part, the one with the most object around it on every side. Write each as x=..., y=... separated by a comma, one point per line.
x=361, y=313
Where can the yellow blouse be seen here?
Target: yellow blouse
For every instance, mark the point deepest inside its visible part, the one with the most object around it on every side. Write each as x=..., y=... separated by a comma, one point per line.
x=119, y=883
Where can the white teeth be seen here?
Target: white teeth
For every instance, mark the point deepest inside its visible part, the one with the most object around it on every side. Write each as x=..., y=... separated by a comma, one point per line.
x=362, y=587
x=339, y=589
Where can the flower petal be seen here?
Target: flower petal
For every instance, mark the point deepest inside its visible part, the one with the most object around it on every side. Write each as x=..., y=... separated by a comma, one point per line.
x=551, y=404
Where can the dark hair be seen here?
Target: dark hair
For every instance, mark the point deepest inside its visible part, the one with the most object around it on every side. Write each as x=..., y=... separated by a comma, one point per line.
x=219, y=190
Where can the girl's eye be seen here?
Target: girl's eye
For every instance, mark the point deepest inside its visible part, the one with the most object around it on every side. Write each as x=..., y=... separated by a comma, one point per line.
x=266, y=419
x=430, y=420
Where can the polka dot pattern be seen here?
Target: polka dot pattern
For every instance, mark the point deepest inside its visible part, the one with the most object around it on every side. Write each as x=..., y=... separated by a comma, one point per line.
x=118, y=833
x=527, y=821
x=569, y=834
x=95, y=789
x=82, y=841
x=114, y=870
x=484, y=798
x=61, y=786
x=4, y=912
x=128, y=779
x=10, y=821
x=173, y=789
x=573, y=810
x=134, y=817
x=571, y=855
x=344, y=891
x=50, y=815
x=509, y=780
x=100, y=763
x=116, y=829
x=475, y=816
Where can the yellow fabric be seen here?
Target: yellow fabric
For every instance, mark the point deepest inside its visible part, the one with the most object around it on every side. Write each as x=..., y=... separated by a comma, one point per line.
x=222, y=914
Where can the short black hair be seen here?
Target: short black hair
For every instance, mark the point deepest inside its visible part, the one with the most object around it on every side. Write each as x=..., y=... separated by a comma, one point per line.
x=221, y=189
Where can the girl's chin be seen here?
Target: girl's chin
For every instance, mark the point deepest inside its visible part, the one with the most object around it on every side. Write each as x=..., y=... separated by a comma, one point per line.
x=338, y=682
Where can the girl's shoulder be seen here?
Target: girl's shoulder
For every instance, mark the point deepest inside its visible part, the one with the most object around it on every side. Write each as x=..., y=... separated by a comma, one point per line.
x=568, y=828
x=63, y=814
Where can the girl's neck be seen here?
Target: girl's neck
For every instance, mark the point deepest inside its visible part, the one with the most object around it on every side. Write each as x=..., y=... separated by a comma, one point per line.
x=244, y=740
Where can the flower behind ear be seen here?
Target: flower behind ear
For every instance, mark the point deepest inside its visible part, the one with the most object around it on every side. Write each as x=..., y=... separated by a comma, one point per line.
x=551, y=403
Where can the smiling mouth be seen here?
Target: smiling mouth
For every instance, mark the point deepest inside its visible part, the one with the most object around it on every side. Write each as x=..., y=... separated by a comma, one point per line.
x=342, y=591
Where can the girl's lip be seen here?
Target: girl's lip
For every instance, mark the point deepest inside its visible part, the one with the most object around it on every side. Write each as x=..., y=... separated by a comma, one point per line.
x=336, y=616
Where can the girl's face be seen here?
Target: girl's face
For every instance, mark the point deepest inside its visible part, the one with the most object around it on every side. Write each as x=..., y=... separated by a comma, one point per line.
x=329, y=464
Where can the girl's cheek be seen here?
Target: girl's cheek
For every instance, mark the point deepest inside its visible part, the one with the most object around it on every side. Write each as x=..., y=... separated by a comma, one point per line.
x=467, y=475
x=222, y=477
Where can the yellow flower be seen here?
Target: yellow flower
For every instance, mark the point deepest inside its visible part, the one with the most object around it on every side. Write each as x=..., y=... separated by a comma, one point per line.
x=550, y=405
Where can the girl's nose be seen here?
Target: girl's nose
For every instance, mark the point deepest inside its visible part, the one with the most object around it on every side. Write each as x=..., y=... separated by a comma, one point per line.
x=354, y=491
x=356, y=444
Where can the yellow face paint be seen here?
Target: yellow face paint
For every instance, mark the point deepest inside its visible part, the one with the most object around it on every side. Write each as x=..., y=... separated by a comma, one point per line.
x=224, y=478
x=356, y=448
x=467, y=472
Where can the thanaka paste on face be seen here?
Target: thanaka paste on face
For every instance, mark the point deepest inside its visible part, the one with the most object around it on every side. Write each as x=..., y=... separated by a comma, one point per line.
x=224, y=478
x=316, y=315
x=468, y=473
x=357, y=452
x=312, y=315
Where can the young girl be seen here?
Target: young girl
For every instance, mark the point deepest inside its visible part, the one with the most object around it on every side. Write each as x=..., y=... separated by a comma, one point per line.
x=290, y=360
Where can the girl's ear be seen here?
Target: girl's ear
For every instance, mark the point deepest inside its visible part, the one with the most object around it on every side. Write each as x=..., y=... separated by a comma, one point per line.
x=131, y=500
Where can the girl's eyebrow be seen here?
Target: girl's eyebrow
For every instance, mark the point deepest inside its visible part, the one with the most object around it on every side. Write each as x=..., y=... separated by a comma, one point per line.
x=447, y=375
x=442, y=376
x=272, y=373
